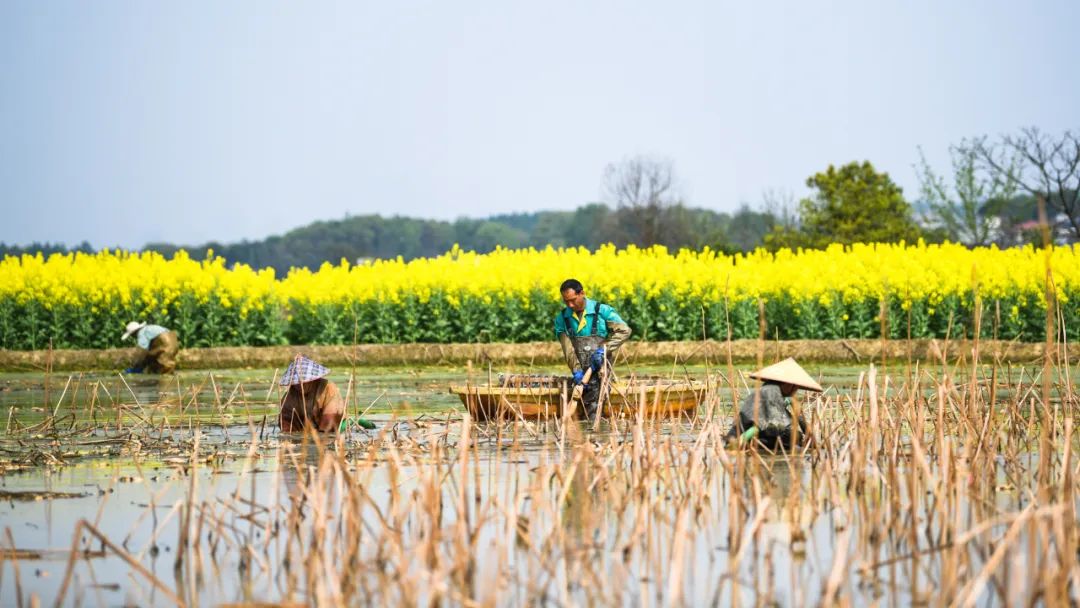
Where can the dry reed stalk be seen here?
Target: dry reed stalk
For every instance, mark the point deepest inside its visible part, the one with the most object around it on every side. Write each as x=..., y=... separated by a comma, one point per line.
x=12, y=554
x=134, y=564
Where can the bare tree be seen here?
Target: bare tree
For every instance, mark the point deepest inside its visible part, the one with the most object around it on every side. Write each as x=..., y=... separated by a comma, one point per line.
x=969, y=209
x=782, y=206
x=643, y=189
x=1050, y=168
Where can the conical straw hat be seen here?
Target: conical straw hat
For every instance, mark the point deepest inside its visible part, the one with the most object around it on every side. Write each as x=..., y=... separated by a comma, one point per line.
x=302, y=370
x=790, y=372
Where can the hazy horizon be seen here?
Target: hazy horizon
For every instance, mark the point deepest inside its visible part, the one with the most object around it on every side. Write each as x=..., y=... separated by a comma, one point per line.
x=127, y=123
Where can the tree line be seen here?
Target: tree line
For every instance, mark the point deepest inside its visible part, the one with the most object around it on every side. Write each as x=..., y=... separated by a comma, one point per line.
x=360, y=238
x=994, y=193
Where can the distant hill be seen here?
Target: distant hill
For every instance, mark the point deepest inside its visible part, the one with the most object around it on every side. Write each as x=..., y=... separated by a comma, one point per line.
x=45, y=249
x=363, y=237
x=372, y=236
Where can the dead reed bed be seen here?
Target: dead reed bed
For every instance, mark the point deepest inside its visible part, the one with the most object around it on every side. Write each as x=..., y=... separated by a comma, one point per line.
x=939, y=483
x=83, y=417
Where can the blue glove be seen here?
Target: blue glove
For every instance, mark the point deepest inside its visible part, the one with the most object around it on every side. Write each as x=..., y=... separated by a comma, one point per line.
x=596, y=361
x=579, y=375
x=133, y=370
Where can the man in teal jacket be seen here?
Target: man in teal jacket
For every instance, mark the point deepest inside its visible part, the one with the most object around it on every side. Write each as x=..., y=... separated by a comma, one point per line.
x=590, y=333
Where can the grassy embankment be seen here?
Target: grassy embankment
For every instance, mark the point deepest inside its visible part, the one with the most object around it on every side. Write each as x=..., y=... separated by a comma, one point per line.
x=700, y=352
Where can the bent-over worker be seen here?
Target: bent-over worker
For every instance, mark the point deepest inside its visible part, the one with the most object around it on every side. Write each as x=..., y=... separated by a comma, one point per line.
x=767, y=407
x=158, y=347
x=312, y=399
x=590, y=333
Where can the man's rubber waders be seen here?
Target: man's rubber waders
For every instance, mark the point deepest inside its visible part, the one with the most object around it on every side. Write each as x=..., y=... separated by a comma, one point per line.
x=584, y=346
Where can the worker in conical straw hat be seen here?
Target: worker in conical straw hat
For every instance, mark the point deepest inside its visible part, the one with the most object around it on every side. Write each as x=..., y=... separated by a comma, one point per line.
x=766, y=407
x=312, y=399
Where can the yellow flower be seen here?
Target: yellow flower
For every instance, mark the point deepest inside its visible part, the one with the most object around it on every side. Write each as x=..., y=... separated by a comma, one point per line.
x=919, y=273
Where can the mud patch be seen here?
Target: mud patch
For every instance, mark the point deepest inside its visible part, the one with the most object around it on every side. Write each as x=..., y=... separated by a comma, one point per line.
x=33, y=495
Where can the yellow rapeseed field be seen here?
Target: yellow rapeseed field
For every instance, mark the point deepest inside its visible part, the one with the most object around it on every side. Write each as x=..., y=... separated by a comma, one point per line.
x=83, y=300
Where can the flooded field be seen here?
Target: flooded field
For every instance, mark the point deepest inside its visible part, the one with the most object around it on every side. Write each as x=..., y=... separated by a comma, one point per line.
x=935, y=485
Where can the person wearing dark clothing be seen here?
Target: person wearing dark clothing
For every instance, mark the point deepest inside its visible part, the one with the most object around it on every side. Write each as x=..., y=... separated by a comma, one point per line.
x=766, y=408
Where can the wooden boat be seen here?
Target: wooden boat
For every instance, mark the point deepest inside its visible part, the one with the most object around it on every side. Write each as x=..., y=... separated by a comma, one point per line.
x=537, y=397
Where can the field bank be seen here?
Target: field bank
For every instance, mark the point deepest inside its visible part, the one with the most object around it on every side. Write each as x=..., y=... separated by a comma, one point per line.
x=849, y=352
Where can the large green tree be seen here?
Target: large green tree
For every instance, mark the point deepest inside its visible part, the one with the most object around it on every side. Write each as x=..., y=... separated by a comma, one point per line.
x=852, y=204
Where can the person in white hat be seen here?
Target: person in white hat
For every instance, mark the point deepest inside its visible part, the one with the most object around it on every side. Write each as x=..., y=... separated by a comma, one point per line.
x=311, y=400
x=766, y=408
x=158, y=348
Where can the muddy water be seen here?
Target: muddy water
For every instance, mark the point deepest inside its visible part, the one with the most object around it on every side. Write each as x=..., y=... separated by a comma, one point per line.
x=30, y=397
x=123, y=459
x=136, y=504
x=127, y=501
x=227, y=397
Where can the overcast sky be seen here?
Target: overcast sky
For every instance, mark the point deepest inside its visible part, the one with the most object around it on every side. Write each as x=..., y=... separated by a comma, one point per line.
x=128, y=122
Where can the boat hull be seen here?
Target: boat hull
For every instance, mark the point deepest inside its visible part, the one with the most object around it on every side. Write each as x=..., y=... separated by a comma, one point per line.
x=538, y=403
